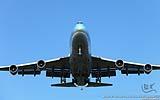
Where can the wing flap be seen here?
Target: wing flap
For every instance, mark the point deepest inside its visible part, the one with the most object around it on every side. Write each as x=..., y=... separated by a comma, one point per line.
x=102, y=67
x=29, y=73
x=103, y=73
x=58, y=73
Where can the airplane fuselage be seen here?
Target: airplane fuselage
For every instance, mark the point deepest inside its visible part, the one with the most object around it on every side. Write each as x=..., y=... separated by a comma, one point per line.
x=80, y=58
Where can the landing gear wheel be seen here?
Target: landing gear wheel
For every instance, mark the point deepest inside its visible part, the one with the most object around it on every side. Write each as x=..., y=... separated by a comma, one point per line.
x=87, y=80
x=63, y=80
x=74, y=81
x=98, y=80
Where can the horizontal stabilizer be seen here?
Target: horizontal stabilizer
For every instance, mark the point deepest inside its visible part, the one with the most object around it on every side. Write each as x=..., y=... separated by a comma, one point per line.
x=94, y=84
x=90, y=84
x=70, y=84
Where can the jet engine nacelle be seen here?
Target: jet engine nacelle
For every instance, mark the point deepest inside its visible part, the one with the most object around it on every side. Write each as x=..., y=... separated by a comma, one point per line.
x=147, y=68
x=13, y=69
x=119, y=64
x=41, y=64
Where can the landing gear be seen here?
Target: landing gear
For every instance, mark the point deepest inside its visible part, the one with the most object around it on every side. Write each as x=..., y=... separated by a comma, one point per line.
x=74, y=81
x=63, y=80
x=87, y=80
x=98, y=80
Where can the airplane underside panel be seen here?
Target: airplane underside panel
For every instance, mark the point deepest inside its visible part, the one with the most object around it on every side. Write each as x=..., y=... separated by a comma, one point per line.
x=58, y=73
x=103, y=73
x=29, y=73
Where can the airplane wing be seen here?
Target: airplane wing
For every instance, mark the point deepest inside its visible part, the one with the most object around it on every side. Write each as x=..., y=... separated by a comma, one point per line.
x=102, y=67
x=54, y=68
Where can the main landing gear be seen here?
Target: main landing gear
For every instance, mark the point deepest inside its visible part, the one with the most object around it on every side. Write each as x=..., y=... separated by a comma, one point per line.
x=63, y=80
x=98, y=80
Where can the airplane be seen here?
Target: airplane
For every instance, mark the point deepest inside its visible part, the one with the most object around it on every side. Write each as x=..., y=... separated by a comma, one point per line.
x=80, y=65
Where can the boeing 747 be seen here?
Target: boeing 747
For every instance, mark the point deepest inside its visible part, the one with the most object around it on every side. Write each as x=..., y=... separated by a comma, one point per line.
x=80, y=64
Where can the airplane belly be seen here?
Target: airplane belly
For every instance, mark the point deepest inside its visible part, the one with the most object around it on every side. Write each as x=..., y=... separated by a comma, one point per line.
x=80, y=67
x=80, y=59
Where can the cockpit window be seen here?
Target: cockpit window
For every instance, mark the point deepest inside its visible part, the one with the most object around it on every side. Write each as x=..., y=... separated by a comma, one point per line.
x=79, y=22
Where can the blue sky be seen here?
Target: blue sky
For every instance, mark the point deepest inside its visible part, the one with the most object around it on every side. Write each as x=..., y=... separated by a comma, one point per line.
x=36, y=29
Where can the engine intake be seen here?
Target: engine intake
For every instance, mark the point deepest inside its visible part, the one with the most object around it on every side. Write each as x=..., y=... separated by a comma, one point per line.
x=119, y=64
x=41, y=64
x=147, y=68
x=13, y=69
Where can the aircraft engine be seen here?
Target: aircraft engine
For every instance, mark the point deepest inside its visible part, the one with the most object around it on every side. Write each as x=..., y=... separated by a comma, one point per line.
x=41, y=64
x=147, y=68
x=13, y=69
x=119, y=64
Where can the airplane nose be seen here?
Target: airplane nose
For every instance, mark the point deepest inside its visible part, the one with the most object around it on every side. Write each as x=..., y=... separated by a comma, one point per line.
x=79, y=26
